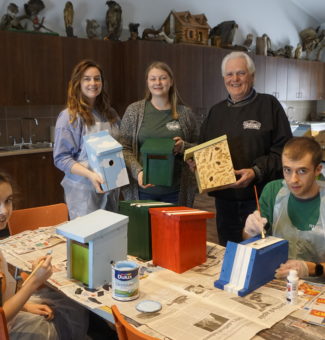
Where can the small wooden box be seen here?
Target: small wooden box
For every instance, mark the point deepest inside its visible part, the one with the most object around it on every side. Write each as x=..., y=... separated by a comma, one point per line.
x=94, y=241
x=178, y=237
x=158, y=161
x=214, y=166
x=139, y=227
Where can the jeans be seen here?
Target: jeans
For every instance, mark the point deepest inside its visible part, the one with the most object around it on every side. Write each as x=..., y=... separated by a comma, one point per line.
x=231, y=218
x=168, y=198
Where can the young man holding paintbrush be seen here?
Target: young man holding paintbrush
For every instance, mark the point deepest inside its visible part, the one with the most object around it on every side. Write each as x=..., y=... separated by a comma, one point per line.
x=294, y=209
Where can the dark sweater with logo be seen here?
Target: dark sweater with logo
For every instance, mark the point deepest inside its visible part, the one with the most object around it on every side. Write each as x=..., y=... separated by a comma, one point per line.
x=257, y=129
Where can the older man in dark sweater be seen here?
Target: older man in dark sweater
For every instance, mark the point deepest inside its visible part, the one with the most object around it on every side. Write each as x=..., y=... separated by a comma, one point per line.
x=257, y=129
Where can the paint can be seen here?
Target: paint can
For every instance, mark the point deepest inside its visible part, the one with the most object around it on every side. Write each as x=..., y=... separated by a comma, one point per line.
x=125, y=281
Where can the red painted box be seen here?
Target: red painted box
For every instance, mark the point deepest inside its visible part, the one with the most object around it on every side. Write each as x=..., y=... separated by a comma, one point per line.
x=178, y=237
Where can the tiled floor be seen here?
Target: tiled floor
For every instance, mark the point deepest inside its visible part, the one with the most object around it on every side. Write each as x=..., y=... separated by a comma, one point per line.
x=205, y=202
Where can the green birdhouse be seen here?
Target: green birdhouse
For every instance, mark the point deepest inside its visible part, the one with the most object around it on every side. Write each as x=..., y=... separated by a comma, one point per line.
x=158, y=161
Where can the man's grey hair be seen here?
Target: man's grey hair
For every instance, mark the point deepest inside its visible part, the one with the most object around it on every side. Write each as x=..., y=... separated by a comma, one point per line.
x=234, y=55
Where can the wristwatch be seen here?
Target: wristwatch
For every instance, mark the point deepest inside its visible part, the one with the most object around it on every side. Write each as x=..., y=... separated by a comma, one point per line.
x=319, y=269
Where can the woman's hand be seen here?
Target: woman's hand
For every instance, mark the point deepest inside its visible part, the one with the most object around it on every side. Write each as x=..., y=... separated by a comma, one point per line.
x=39, y=309
x=41, y=275
x=96, y=180
x=179, y=145
x=140, y=181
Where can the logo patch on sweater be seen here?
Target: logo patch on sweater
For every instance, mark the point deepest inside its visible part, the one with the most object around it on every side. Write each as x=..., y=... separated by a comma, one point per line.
x=173, y=125
x=251, y=125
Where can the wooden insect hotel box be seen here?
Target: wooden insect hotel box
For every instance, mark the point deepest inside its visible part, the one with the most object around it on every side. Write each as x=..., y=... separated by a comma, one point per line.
x=214, y=166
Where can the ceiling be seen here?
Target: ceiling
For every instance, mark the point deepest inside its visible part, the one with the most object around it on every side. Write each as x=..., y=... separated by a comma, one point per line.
x=315, y=8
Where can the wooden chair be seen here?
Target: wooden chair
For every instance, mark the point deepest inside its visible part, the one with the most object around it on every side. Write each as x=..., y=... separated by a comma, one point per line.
x=125, y=331
x=33, y=218
x=4, y=335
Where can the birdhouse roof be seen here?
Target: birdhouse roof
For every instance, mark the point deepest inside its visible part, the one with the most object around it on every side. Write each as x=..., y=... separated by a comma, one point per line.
x=94, y=225
x=102, y=143
x=158, y=146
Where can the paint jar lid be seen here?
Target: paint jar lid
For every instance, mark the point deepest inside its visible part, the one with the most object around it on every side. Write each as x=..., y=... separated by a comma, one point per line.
x=148, y=306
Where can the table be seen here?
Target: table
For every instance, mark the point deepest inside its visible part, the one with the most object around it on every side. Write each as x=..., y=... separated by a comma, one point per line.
x=192, y=307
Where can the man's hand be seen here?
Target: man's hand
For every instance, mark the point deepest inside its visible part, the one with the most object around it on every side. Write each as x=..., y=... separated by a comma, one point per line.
x=39, y=309
x=191, y=163
x=300, y=266
x=140, y=181
x=245, y=178
x=254, y=224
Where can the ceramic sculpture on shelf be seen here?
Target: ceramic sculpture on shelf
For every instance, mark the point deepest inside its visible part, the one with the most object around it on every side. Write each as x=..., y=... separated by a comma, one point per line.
x=68, y=14
x=32, y=9
x=248, y=41
x=134, y=31
x=298, y=51
x=92, y=29
x=10, y=20
x=226, y=30
x=113, y=20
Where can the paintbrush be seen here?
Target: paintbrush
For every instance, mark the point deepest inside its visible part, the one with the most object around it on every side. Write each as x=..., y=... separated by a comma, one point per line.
x=259, y=209
x=39, y=265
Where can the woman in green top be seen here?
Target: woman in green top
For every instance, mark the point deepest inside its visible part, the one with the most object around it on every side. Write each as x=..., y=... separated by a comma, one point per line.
x=160, y=114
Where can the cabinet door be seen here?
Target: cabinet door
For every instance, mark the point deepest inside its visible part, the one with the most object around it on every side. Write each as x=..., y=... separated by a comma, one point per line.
x=304, y=70
x=44, y=180
x=321, y=82
x=12, y=84
x=317, y=81
x=33, y=64
x=276, y=77
x=260, y=69
x=293, y=90
x=37, y=180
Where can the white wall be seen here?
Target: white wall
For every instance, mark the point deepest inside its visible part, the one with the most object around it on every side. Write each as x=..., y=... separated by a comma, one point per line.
x=280, y=19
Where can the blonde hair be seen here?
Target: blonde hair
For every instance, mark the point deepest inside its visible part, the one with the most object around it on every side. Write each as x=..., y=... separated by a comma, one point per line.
x=77, y=102
x=173, y=95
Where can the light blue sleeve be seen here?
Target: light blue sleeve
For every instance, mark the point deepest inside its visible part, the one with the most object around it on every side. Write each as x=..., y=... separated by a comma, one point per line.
x=68, y=142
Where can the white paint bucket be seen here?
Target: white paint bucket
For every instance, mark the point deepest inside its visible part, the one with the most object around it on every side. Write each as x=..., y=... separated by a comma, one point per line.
x=125, y=281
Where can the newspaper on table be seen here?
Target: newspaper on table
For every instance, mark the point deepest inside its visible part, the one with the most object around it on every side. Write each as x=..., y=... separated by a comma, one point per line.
x=22, y=249
x=192, y=308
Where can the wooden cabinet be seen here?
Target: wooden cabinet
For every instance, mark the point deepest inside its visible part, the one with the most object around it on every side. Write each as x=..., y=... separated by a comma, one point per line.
x=299, y=80
x=37, y=179
x=32, y=68
x=276, y=77
x=37, y=68
x=259, y=81
x=317, y=81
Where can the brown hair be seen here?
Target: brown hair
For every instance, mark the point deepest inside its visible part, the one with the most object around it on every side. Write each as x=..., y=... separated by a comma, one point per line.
x=5, y=178
x=174, y=97
x=297, y=147
x=77, y=103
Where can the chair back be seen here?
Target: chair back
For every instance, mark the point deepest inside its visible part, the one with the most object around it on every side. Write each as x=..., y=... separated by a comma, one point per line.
x=125, y=331
x=33, y=218
x=4, y=335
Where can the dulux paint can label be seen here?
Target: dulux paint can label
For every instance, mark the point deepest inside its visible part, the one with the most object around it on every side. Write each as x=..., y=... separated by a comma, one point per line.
x=125, y=281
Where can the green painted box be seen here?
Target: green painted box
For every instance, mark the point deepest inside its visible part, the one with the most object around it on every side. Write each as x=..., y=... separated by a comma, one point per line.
x=139, y=227
x=158, y=161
